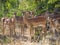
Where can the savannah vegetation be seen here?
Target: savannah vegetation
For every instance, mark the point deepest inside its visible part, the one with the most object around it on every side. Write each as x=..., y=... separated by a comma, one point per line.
x=7, y=7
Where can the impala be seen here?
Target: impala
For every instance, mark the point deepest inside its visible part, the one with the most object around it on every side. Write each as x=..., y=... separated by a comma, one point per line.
x=37, y=21
x=19, y=19
x=10, y=22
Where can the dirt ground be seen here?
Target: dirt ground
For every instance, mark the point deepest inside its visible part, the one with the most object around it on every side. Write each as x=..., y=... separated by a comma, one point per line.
x=18, y=39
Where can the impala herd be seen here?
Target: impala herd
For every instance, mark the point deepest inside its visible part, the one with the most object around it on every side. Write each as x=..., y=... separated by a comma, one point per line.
x=28, y=20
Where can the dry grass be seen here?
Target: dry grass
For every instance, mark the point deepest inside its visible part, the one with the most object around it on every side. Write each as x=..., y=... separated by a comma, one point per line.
x=17, y=40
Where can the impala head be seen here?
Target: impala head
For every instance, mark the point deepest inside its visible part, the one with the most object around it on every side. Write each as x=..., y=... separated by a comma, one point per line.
x=14, y=15
x=55, y=21
x=3, y=19
x=28, y=14
x=25, y=14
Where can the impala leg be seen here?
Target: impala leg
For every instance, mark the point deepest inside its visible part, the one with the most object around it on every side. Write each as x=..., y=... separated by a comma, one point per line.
x=30, y=32
x=14, y=29
x=10, y=30
x=44, y=32
x=21, y=29
x=3, y=28
x=3, y=33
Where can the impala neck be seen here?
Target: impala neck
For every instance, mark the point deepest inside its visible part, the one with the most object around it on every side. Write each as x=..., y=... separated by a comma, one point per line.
x=25, y=18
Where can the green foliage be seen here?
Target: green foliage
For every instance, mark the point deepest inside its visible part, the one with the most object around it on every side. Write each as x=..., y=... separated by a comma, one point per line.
x=27, y=5
x=7, y=7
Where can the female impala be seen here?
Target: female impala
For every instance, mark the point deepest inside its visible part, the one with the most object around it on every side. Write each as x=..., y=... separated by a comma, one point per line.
x=37, y=21
x=19, y=19
x=10, y=22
